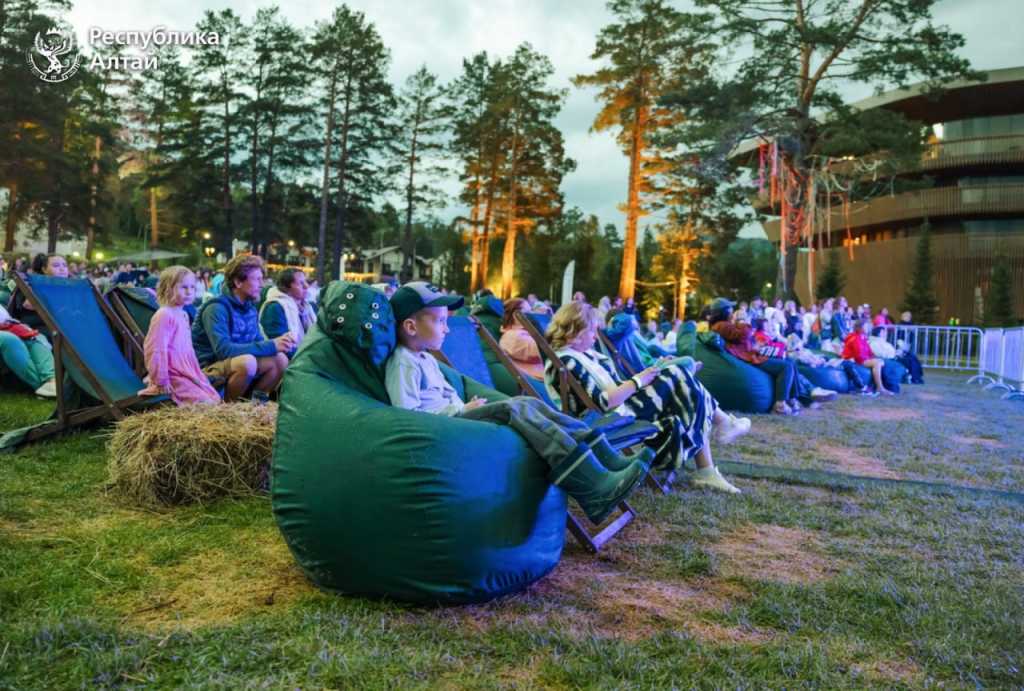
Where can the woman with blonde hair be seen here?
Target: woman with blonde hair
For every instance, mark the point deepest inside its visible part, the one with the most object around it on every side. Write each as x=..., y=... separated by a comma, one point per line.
x=666, y=395
x=170, y=358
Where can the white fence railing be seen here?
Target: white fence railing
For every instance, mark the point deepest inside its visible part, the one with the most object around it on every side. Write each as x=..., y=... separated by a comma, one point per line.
x=1001, y=364
x=942, y=347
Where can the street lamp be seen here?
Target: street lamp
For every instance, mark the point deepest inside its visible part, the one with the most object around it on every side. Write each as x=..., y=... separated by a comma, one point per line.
x=206, y=236
x=99, y=255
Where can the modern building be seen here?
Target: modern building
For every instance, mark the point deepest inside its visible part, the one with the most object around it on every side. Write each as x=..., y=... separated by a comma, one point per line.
x=974, y=209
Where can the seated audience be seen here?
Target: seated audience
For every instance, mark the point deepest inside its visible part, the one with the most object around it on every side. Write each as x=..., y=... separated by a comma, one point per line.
x=170, y=359
x=582, y=462
x=285, y=309
x=21, y=308
x=667, y=396
x=226, y=335
x=517, y=342
x=857, y=349
x=27, y=354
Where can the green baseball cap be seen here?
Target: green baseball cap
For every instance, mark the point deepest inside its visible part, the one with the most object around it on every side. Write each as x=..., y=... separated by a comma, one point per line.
x=412, y=297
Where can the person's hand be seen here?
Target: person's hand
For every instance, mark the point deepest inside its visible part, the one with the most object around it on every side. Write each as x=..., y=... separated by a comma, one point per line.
x=284, y=343
x=475, y=403
x=648, y=375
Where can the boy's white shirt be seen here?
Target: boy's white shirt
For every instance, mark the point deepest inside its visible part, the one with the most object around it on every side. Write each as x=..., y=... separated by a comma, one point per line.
x=415, y=382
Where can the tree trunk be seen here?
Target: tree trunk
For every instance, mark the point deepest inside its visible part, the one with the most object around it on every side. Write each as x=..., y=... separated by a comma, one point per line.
x=90, y=233
x=474, y=237
x=12, y=217
x=485, y=239
x=408, y=247
x=254, y=204
x=264, y=219
x=508, y=259
x=321, y=240
x=627, y=278
x=226, y=241
x=339, y=224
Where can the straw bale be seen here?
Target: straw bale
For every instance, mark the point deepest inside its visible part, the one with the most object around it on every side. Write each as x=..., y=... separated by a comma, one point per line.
x=191, y=454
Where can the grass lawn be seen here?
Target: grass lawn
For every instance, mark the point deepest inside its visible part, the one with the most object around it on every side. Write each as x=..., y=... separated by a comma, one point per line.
x=784, y=586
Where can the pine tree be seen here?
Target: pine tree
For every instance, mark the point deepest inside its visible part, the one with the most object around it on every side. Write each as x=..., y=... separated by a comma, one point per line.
x=1000, y=296
x=352, y=63
x=644, y=51
x=920, y=300
x=421, y=119
x=832, y=280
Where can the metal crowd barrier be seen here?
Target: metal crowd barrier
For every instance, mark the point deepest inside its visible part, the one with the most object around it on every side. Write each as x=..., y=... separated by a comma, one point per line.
x=1002, y=362
x=943, y=347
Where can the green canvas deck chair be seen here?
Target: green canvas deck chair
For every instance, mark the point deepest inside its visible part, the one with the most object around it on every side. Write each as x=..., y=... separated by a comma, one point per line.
x=135, y=307
x=568, y=385
x=95, y=381
x=463, y=352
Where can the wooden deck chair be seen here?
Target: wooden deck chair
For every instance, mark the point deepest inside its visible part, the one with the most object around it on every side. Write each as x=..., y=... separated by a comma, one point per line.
x=568, y=385
x=85, y=346
x=463, y=352
x=609, y=349
x=135, y=308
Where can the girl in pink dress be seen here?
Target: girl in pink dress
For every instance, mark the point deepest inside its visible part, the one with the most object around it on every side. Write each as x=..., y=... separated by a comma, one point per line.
x=170, y=359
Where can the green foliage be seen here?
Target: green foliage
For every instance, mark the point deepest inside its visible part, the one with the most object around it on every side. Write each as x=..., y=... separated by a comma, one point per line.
x=920, y=299
x=738, y=273
x=832, y=280
x=999, y=310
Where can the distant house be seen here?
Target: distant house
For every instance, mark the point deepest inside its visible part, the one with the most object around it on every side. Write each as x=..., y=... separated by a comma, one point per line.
x=387, y=261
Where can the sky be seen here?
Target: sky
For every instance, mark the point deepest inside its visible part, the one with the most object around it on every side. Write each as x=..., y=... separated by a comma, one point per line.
x=440, y=33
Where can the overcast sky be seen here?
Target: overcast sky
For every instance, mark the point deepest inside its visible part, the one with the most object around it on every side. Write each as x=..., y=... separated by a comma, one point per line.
x=440, y=33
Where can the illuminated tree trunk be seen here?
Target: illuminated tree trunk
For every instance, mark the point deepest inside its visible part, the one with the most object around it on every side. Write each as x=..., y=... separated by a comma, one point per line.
x=12, y=216
x=508, y=259
x=485, y=239
x=90, y=233
x=627, y=279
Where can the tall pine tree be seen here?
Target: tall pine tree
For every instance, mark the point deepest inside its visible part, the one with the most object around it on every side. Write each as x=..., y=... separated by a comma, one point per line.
x=920, y=300
x=1000, y=296
x=831, y=282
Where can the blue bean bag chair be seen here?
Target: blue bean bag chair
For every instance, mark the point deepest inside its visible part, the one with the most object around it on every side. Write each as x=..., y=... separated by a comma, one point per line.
x=379, y=501
x=737, y=385
x=831, y=378
x=894, y=374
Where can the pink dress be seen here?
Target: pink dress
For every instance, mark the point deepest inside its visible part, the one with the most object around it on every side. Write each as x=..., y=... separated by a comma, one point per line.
x=171, y=360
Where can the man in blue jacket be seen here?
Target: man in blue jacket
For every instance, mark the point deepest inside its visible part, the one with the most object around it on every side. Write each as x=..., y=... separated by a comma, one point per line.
x=227, y=339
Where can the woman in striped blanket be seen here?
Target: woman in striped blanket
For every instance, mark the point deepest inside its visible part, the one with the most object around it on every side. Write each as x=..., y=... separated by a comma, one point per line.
x=664, y=394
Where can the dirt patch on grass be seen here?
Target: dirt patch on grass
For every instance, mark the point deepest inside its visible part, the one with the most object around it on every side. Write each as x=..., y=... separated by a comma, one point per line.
x=901, y=671
x=217, y=587
x=775, y=553
x=876, y=413
x=589, y=597
x=855, y=463
x=978, y=441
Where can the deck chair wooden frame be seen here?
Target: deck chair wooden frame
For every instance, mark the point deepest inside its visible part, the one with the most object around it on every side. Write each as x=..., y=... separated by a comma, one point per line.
x=614, y=353
x=128, y=321
x=592, y=542
x=108, y=408
x=568, y=385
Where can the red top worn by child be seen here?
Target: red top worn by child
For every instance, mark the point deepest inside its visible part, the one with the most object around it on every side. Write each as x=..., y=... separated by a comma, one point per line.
x=857, y=348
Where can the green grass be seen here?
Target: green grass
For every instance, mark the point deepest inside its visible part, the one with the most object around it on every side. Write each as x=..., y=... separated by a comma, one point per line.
x=784, y=586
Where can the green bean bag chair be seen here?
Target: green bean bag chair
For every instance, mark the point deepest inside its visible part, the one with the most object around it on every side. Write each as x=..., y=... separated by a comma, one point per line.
x=737, y=385
x=379, y=501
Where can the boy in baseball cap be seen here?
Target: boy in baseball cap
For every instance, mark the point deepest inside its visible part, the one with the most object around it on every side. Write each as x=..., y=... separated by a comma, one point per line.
x=582, y=462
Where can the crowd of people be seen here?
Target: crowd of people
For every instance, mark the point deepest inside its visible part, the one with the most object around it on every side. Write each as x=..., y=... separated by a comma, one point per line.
x=221, y=336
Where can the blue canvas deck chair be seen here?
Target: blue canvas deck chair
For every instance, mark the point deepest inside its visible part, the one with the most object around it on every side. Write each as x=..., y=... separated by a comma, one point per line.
x=95, y=381
x=568, y=385
x=463, y=351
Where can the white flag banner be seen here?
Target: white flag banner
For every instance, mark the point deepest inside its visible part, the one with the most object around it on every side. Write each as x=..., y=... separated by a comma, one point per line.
x=567, y=278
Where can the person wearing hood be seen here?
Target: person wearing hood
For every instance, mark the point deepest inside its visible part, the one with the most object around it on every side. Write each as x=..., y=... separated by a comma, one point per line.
x=286, y=310
x=227, y=339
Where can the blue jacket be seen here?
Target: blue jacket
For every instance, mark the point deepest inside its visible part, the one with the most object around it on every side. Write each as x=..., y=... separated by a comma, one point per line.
x=226, y=328
x=275, y=323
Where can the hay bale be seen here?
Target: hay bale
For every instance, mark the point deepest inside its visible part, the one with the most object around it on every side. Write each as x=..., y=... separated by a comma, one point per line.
x=191, y=454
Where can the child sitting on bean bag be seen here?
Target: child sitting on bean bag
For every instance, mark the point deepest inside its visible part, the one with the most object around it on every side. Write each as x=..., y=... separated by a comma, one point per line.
x=582, y=462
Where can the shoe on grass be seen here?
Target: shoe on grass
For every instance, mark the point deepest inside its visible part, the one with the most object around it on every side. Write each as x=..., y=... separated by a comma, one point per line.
x=869, y=393
x=48, y=389
x=712, y=479
x=733, y=429
x=794, y=405
x=821, y=395
x=780, y=408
